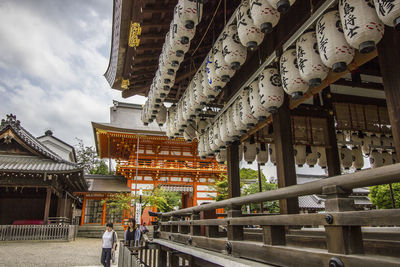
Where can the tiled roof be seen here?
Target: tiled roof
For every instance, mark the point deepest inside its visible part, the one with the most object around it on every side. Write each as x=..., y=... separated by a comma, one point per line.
x=34, y=164
x=311, y=202
x=106, y=183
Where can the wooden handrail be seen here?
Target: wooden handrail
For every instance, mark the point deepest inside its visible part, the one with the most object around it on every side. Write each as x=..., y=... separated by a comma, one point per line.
x=382, y=175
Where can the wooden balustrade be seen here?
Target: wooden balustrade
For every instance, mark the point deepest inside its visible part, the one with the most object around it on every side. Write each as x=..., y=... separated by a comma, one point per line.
x=342, y=226
x=37, y=232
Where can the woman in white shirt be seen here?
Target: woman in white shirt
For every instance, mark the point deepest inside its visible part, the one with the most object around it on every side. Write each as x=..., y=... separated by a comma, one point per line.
x=109, y=246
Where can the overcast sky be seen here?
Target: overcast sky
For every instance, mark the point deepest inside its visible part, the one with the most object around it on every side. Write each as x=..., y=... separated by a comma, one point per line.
x=53, y=57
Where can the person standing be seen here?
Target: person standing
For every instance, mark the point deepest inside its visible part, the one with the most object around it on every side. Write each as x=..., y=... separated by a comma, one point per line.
x=129, y=235
x=109, y=245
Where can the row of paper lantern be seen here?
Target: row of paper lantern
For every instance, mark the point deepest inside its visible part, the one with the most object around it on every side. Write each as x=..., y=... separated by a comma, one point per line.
x=187, y=14
x=366, y=141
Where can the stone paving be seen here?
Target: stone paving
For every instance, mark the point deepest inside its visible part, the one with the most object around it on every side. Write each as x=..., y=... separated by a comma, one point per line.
x=81, y=252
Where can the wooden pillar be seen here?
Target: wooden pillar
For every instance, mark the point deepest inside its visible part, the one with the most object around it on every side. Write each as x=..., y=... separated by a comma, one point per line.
x=194, y=193
x=389, y=61
x=47, y=205
x=332, y=152
x=233, y=170
x=285, y=164
x=103, y=217
x=260, y=186
x=162, y=257
x=83, y=210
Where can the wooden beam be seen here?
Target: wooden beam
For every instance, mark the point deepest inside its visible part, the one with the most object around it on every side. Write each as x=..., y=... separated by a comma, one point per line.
x=285, y=164
x=389, y=61
x=361, y=100
x=47, y=205
x=364, y=85
x=233, y=170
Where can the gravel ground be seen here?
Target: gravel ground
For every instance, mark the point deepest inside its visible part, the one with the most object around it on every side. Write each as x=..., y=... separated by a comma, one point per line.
x=81, y=252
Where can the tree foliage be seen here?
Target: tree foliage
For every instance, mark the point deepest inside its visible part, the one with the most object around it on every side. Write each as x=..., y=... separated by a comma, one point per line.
x=247, y=175
x=88, y=159
x=380, y=196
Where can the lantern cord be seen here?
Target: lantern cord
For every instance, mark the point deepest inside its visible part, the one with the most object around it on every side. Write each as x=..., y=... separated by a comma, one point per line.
x=208, y=27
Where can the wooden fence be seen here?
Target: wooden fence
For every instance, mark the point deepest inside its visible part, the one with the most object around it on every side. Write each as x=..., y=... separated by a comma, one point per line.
x=38, y=232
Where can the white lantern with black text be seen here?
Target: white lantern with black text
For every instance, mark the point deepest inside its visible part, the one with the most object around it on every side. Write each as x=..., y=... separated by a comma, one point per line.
x=214, y=79
x=312, y=156
x=388, y=12
x=207, y=147
x=249, y=35
x=238, y=115
x=201, y=148
x=221, y=156
x=281, y=5
x=232, y=129
x=198, y=99
x=292, y=82
x=218, y=139
x=375, y=159
x=358, y=158
x=271, y=92
x=246, y=114
x=234, y=52
x=189, y=12
x=362, y=27
x=226, y=136
x=322, y=162
x=176, y=43
x=264, y=16
x=300, y=155
x=311, y=68
x=346, y=157
x=180, y=31
x=262, y=153
x=250, y=150
x=257, y=109
x=161, y=116
x=334, y=51
x=222, y=69
x=207, y=83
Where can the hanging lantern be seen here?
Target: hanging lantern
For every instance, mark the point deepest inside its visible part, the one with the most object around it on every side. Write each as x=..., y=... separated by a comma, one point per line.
x=166, y=77
x=322, y=162
x=249, y=35
x=361, y=26
x=238, y=115
x=221, y=156
x=190, y=133
x=201, y=125
x=207, y=147
x=358, y=159
x=208, y=90
x=189, y=12
x=222, y=69
x=175, y=42
x=225, y=135
x=271, y=92
x=217, y=136
x=292, y=83
x=171, y=121
x=281, y=5
x=201, y=148
x=214, y=80
x=311, y=156
x=198, y=99
x=334, y=51
x=365, y=144
x=161, y=116
x=300, y=155
x=144, y=114
x=264, y=16
x=187, y=112
x=169, y=53
x=394, y=157
x=234, y=52
x=262, y=154
x=258, y=110
x=375, y=159
x=246, y=114
x=272, y=153
x=310, y=65
x=234, y=132
x=346, y=158
x=250, y=150
x=211, y=137
x=386, y=158
x=388, y=12
x=179, y=31
x=375, y=140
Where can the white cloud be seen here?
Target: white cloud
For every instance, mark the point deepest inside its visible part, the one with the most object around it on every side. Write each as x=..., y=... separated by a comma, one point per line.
x=54, y=54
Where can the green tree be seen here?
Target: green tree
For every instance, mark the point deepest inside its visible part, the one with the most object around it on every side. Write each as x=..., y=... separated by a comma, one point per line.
x=88, y=159
x=270, y=206
x=380, y=196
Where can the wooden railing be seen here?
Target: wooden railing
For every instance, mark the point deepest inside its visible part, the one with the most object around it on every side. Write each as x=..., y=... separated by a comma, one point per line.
x=346, y=243
x=38, y=232
x=139, y=256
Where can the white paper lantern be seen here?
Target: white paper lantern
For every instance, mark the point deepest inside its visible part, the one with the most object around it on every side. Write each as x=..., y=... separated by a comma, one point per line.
x=201, y=148
x=249, y=35
x=365, y=144
x=190, y=133
x=264, y=16
x=222, y=69
x=281, y=5
x=189, y=12
x=166, y=77
x=176, y=44
x=234, y=132
x=322, y=162
x=292, y=82
x=271, y=92
x=162, y=116
x=262, y=153
x=224, y=130
x=249, y=150
x=201, y=126
x=358, y=159
x=221, y=156
x=207, y=83
x=179, y=31
x=198, y=99
x=257, y=109
x=299, y=155
x=171, y=118
x=217, y=135
x=207, y=146
x=182, y=124
x=246, y=114
x=240, y=123
x=312, y=157
x=346, y=157
x=311, y=68
x=362, y=27
x=388, y=12
x=214, y=80
x=234, y=52
x=386, y=158
x=334, y=51
x=211, y=138
x=169, y=53
x=272, y=153
x=375, y=159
